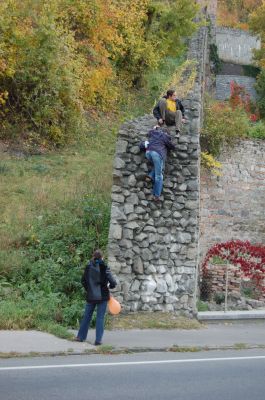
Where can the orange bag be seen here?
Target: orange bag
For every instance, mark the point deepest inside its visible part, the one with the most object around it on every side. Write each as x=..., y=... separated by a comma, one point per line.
x=114, y=306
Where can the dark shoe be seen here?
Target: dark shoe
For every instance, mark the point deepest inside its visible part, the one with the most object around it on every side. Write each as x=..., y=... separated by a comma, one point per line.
x=156, y=199
x=77, y=339
x=98, y=343
x=148, y=178
x=177, y=133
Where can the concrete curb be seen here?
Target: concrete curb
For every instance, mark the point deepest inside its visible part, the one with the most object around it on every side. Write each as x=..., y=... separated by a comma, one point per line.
x=231, y=315
x=132, y=350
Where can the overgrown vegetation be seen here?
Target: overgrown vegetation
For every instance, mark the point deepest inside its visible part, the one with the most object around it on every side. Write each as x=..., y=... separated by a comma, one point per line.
x=223, y=124
x=257, y=130
x=149, y=320
x=249, y=15
x=48, y=232
x=250, y=258
x=210, y=163
x=251, y=70
x=235, y=13
x=60, y=58
x=214, y=58
x=70, y=74
x=257, y=26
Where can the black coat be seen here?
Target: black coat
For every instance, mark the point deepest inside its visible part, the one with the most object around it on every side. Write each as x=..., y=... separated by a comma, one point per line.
x=95, y=280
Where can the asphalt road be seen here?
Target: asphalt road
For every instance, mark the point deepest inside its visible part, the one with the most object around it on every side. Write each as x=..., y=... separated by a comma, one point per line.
x=219, y=375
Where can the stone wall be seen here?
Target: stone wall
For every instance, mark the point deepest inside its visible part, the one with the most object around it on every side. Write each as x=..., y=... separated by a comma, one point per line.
x=153, y=247
x=223, y=91
x=235, y=45
x=232, y=206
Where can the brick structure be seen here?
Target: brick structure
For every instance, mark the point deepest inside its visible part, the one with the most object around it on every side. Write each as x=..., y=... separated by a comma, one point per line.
x=216, y=279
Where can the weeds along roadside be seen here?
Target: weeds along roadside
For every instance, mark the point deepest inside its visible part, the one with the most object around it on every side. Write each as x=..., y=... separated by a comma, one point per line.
x=52, y=220
x=55, y=210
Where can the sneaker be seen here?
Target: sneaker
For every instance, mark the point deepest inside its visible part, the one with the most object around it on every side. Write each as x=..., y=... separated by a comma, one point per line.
x=148, y=178
x=156, y=199
x=77, y=339
x=98, y=343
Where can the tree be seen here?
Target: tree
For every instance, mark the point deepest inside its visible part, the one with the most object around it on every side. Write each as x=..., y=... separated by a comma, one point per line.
x=257, y=26
x=61, y=57
x=235, y=13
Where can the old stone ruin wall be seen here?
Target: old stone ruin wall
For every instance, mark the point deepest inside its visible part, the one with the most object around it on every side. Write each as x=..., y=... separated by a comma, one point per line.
x=235, y=45
x=242, y=292
x=153, y=247
x=232, y=205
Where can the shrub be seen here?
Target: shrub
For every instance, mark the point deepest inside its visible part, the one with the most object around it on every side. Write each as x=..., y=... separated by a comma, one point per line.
x=41, y=73
x=201, y=306
x=222, y=125
x=209, y=162
x=251, y=259
x=47, y=285
x=214, y=57
x=251, y=70
x=61, y=57
x=239, y=97
x=257, y=130
x=219, y=297
x=260, y=87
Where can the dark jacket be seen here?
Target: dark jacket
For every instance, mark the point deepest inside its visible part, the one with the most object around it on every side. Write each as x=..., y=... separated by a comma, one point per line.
x=157, y=113
x=160, y=142
x=95, y=280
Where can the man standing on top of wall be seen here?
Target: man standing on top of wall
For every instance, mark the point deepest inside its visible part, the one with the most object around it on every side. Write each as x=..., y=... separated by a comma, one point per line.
x=169, y=110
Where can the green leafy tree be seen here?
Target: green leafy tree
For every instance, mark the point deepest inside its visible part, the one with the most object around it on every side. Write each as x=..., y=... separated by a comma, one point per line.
x=39, y=71
x=61, y=57
x=257, y=26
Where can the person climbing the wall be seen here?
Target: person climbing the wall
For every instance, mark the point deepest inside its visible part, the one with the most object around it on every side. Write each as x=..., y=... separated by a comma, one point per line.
x=156, y=147
x=170, y=110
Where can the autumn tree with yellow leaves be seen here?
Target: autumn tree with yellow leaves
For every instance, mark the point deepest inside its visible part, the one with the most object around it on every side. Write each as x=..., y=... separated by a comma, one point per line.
x=59, y=58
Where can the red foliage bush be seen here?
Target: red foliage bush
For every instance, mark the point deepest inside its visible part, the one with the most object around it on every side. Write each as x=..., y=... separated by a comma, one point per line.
x=251, y=259
x=240, y=98
x=253, y=117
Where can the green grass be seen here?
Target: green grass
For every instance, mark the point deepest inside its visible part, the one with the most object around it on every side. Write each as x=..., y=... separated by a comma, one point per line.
x=148, y=320
x=55, y=210
x=240, y=346
x=181, y=349
x=216, y=260
x=202, y=306
x=257, y=130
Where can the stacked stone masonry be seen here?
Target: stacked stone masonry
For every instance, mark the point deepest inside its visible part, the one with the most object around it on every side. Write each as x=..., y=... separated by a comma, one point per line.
x=153, y=247
x=232, y=205
x=223, y=82
x=235, y=45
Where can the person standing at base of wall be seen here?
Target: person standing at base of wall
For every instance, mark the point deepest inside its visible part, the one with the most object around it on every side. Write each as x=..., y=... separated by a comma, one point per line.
x=97, y=279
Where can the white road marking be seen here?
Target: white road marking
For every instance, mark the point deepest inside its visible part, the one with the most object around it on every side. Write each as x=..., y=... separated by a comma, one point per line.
x=119, y=364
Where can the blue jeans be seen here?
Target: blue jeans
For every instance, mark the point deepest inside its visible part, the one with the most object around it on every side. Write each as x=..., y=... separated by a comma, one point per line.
x=157, y=172
x=84, y=325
